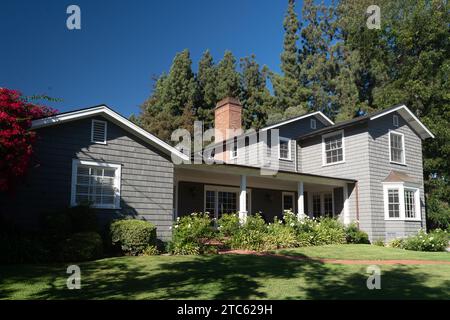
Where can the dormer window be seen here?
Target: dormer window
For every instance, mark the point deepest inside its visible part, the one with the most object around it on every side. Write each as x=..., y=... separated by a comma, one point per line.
x=395, y=120
x=313, y=124
x=98, y=131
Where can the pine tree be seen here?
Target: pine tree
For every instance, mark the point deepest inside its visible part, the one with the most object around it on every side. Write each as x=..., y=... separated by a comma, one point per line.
x=286, y=86
x=206, y=79
x=255, y=97
x=227, y=84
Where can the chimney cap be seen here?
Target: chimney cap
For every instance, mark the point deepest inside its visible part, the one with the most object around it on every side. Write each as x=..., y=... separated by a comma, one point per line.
x=228, y=100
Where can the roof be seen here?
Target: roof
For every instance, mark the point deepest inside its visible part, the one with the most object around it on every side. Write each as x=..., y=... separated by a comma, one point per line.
x=325, y=120
x=397, y=176
x=402, y=109
x=108, y=113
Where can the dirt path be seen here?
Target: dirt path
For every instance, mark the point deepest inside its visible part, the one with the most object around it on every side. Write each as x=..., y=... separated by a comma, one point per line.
x=338, y=261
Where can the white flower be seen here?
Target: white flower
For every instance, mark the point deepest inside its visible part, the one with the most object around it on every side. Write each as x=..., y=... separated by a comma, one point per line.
x=292, y=224
x=176, y=226
x=189, y=225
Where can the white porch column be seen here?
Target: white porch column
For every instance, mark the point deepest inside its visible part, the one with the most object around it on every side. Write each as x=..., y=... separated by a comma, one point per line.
x=300, y=203
x=346, y=205
x=242, y=199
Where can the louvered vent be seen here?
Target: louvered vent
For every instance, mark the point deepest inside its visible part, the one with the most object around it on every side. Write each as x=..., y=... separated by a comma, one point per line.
x=98, y=132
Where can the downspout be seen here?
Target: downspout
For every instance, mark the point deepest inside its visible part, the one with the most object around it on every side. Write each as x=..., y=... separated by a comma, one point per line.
x=357, y=204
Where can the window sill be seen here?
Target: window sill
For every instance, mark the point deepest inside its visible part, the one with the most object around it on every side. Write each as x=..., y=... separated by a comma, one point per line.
x=332, y=164
x=285, y=159
x=96, y=142
x=398, y=163
x=403, y=219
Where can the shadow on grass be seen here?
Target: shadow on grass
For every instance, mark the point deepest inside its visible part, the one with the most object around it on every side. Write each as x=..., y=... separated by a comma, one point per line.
x=220, y=277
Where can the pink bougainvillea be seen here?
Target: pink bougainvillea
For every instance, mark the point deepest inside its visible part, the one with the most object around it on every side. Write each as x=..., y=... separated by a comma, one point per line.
x=16, y=140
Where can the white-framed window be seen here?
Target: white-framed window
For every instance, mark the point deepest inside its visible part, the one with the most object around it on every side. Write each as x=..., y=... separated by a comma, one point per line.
x=98, y=131
x=220, y=200
x=395, y=120
x=328, y=204
x=284, y=149
x=288, y=201
x=234, y=150
x=333, y=148
x=396, y=147
x=96, y=184
x=313, y=124
x=401, y=202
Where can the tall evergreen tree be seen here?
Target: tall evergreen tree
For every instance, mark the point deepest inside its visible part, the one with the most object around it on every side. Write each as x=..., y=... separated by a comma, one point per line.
x=286, y=86
x=206, y=79
x=255, y=97
x=228, y=84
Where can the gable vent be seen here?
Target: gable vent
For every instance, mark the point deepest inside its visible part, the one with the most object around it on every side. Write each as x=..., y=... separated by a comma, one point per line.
x=98, y=131
x=395, y=120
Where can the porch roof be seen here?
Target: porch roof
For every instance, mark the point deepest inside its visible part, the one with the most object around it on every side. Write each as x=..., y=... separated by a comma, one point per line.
x=255, y=171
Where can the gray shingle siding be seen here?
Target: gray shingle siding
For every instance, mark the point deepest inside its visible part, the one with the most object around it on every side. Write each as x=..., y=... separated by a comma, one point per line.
x=380, y=167
x=146, y=181
x=356, y=166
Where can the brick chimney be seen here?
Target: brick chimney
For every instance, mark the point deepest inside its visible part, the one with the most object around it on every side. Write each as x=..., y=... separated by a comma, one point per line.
x=227, y=115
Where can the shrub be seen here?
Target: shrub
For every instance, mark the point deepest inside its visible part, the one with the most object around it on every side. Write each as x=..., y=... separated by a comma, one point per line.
x=436, y=240
x=82, y=219
x=132, y=236
x=82, y=246
x=379, y=243
x=280, y=235
x=18, y=247
x=250, y=235
x=354, y=235
x=329, y=231
x=151, y=250
x=228, y=224
x=190, y=234
x=396, y=243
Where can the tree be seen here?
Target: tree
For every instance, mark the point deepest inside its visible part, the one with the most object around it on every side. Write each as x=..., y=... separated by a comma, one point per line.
x=206, y=79
x=228, y=84
x=16, y=140
x=255, y=97
x=171, y=94
x=286, y=86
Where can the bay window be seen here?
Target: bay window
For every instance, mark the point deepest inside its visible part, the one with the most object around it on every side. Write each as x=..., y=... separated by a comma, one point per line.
x=401, y=202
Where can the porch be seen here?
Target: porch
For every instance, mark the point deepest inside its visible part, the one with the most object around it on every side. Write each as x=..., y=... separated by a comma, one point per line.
x=219, y=189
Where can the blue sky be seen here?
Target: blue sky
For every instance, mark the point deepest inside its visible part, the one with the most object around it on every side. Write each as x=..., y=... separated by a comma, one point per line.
x=122, y=44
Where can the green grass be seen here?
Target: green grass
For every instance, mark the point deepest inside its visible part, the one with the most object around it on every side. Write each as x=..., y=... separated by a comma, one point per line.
x=227, y=277
x=364, y=251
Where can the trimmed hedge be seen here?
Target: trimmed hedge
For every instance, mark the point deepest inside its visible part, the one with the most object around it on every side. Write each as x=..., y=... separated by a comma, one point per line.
x=132, y=236
x=82, y=246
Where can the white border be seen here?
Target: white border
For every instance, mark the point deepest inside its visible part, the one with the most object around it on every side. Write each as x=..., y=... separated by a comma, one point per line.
x=216, y=189
x=104, y=134
x=117, y=182
x=401, y=194
x=117, y=118
x=403, y=163
x=405, y=108
x=319, y=113
x=289, y=141
x=324, y=158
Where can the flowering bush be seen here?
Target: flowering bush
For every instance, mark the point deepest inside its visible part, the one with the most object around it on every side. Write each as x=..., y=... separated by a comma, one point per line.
x=280, y=235
x=190, y=234
x=16, y=141
x=436, y=240
x=250, y=235
x=228, y=224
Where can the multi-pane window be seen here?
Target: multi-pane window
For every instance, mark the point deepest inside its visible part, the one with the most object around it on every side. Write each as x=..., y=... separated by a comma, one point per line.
x=227, y=202
x=396, y=147
x=96, y=184
x=210, y=202
x=333, y=148
x=393, y=203
x=285, y=149
x=234, y=151
x=328, y=204
x=288, y=201
x=316, y=204
x=410, y=207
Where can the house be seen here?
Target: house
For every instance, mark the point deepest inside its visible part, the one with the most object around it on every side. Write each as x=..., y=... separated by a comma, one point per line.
x=368, y=169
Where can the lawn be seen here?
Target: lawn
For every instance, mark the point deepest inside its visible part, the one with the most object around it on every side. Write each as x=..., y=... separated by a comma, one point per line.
x=233, y=277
